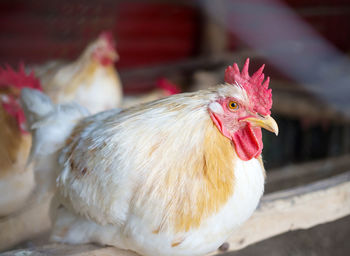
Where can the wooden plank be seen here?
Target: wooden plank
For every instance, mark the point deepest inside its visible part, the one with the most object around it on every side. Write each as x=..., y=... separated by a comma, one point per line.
x=295, y=105
x=188, y=65
x=70, y=250
x=299, y=174
x=298, y=208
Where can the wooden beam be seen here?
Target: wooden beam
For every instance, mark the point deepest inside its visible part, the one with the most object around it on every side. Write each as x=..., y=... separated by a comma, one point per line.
x=290, y=176
x=300, y=104
x=188, y=65
x=298, y=208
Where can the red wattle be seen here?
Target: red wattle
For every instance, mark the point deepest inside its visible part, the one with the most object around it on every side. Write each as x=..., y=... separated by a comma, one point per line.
x=248, y=142
x=106, y=61
x=220, y=125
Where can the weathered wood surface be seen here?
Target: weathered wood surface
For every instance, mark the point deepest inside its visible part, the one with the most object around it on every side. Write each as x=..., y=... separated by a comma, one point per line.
x=297, y=208
x=70, y=250
x=300, y=174
x=188, y=65
x=293, y=100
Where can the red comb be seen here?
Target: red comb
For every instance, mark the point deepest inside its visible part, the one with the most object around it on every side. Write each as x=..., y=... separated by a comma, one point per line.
x=169, y=87
x=11, y=78
x=255, y=86
x=13, y=108
x=108, y=36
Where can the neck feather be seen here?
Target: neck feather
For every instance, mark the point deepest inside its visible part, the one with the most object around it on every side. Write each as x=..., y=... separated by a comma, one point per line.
x=195, y=184
x=14, y=146
x=214, y=180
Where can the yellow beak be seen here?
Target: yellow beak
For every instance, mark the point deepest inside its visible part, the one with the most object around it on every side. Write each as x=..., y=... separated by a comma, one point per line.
x=266, y=122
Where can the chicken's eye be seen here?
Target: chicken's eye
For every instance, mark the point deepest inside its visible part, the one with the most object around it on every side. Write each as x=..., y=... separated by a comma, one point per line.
x=233, y=105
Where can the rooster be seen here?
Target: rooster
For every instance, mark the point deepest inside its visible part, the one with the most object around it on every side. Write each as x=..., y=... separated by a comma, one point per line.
x=170, y=177
x=16, y=177
x=91, y=80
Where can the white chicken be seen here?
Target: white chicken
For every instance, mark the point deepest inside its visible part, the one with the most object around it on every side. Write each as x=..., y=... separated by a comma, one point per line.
x=16, y=177
x=91, y=80
x=174, y=176
x=27, y=189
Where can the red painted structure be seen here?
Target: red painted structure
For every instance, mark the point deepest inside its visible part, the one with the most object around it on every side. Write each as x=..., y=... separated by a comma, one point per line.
x=147, y=33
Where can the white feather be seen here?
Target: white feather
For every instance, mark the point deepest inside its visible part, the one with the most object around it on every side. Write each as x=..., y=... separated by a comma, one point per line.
x=102, y=93
x=50, y=126
x=216, y=108
x=135, y=234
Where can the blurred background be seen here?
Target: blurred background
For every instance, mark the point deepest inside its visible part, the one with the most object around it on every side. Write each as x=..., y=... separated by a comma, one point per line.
x=305, y=45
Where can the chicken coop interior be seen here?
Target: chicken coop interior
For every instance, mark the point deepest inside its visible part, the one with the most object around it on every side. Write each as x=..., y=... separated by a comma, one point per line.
x=156, y=49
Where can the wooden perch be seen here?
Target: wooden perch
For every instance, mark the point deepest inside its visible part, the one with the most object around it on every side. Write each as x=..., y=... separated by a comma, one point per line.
x=296, y=175
x=298, y=208
x=188, y=65
x=293, y=100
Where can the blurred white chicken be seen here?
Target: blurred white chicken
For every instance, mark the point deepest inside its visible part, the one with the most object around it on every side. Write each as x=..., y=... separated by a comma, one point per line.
x=174, y=176
x=27, y=189
x=91, y=80
x=16, y=177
